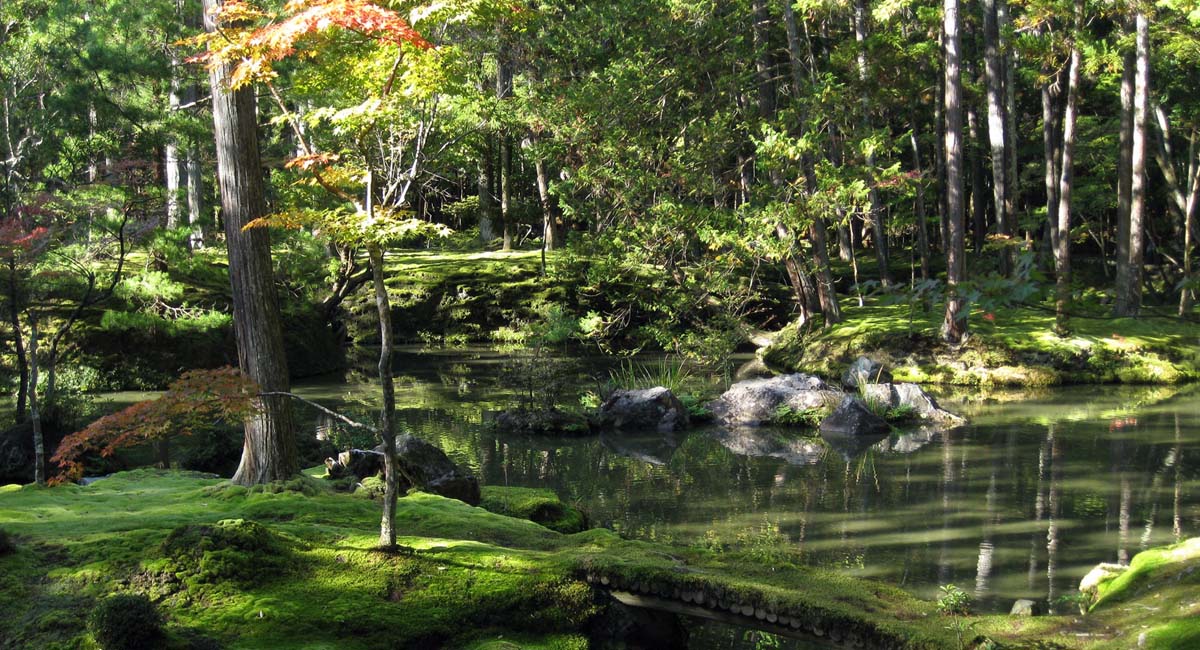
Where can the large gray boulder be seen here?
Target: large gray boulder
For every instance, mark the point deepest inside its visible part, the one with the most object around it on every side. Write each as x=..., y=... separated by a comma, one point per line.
x=426, y=467
x=853, y=418
x=655, y=409
x=865, y=371
x=754, y=402
x=923, y=405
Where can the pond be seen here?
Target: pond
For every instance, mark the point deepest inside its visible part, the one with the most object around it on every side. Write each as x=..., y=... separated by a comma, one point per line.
x=1021, y=503
x=1039, y=487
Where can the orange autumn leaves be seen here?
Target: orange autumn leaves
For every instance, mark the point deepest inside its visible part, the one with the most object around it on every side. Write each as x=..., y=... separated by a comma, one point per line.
x=253, y=50
x=196, y=401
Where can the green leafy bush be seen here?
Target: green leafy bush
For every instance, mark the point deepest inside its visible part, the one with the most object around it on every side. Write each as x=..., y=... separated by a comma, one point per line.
x=125, y=622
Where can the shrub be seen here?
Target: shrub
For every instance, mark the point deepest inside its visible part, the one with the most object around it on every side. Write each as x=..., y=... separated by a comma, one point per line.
x=125, y=622
x=6, y=543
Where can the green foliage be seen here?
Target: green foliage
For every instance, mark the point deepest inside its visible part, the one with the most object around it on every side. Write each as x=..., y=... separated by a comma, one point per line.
x=788, y=416
x=125, y=622
x=672, y=374
x=953, y=601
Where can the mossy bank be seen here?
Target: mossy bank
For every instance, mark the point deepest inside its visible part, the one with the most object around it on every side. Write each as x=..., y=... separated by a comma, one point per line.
x=1012, y=347
x=293, y=565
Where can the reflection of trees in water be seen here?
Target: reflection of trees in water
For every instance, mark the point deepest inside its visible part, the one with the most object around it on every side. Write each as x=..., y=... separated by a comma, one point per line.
x=942, y=513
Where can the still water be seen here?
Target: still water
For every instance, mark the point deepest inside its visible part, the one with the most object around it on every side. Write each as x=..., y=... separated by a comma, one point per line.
x=1021, y=503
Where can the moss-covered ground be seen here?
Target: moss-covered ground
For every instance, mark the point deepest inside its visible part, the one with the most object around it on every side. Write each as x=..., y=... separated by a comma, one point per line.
x=1010, y=347
x=293, y=565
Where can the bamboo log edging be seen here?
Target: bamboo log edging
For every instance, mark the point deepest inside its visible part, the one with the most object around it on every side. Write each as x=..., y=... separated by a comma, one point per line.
x=717, y=603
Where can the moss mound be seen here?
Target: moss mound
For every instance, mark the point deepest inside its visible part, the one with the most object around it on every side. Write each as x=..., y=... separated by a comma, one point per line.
x=125, y=622
x=232, y=549
x=537, y=505
x=6, y=543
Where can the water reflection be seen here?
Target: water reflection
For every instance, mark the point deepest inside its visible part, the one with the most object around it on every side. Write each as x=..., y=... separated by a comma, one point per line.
x=1018, y=505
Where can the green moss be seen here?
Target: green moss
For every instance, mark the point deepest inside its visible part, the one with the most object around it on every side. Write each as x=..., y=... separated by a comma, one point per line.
x=537, y=505
x=1017, y=347
x=285, y=569
x=527, y=642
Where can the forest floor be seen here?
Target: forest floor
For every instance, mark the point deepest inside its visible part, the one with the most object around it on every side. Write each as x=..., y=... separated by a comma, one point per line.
x=293, y=565
x=1008, y=347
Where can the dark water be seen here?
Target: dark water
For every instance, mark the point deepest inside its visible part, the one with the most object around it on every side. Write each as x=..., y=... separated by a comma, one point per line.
x=1021, y=503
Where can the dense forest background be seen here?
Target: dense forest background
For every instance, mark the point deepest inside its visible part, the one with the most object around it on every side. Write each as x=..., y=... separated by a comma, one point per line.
x=692, y=172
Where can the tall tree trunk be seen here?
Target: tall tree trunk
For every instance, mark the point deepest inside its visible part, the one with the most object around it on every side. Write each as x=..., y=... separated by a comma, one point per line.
x=504, y=81
x=875, y=216
x=994, y=75
x=486, y=230
x=1062, y=252
x=194, y=178
x=35, y=414
x=1051, y=144
x=1124, y=176
x=172, y=164
x=14, y=322
x=549, y=219
x=919, y=208
x=1129, y=292
x=974, y=143
x=269, y=452
x=954, y=327
x=1184, y=193
x=1003, y=25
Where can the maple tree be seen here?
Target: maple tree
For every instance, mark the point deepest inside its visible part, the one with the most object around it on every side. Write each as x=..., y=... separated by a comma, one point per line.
x=194, y=402
x=378, y=216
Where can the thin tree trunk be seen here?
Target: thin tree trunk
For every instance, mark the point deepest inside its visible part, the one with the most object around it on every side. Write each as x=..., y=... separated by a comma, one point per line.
x=979, y=228
x=954, y=327
x=1051, y=142
x=387, y=427
x=269, y=452
x=1003, y=24
x=549, y=227
x=922, y=227
x=1129, y=293
x=1066, y=183
x=195, y=182
x=826, y=293
x=504, y=81
x=994, y=75
x=14, y=321
x=1125, y=176
x=35, y=415
x=875, y=216
x=486, y=229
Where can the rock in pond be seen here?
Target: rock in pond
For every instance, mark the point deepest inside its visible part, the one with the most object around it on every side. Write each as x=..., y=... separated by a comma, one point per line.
x=865, y=371
x=430, y=469
x=910, y=396
x=853, y=418
x=655, y=409
x=754, y=402
x=1025, y=607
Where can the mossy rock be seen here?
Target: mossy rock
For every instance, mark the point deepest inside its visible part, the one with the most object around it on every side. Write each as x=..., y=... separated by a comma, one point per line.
x=126, y=622
x=537, y=505
x=230, y=550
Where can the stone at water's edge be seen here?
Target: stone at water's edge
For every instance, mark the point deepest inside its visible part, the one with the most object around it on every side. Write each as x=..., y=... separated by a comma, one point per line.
x=419, y=463
x=359, y=463
x=429, y=468
x=754, y=402
x=649, y=408
x=853, y=418
x=865, y=371
x=923, y=405
x=1025, y=607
